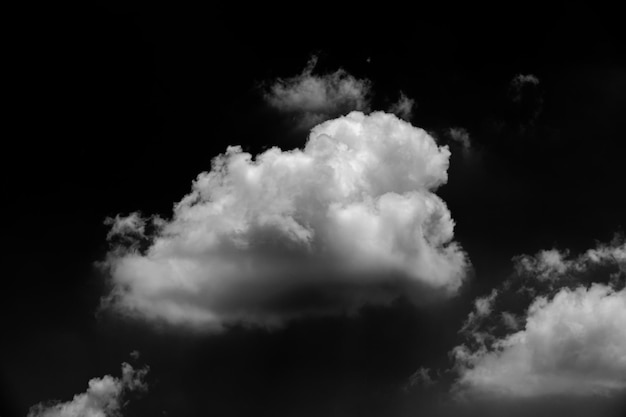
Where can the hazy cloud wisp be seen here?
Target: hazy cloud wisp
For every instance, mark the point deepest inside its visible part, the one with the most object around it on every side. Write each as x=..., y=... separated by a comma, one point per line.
x=315, y=98
x=403, y=108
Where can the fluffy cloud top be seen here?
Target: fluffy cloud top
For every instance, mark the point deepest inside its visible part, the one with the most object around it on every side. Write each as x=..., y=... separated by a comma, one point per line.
x=315, y=98
x=573, y=343
x=348, y=220
x=570, y=341
x=104, y=396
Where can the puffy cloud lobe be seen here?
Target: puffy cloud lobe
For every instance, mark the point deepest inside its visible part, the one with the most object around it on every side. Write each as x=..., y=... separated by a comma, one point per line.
x=403, y=108
x=571, y=344
x=104, y=396
x=348, y=220
x=315, y=98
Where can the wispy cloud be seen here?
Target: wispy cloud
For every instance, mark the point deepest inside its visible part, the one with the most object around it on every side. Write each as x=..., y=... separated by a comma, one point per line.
x=527, y=98
x=519, y=82
x=420, y=378
x=571, y=343
x=553, y=264
x=314, y=98
x=403, y=108
x=461, y=136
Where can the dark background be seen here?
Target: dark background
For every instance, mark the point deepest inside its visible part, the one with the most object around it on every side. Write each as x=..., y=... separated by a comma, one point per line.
x=114, y=109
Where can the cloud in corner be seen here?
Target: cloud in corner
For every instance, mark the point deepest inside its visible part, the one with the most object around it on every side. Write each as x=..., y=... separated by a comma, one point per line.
x=570, y=341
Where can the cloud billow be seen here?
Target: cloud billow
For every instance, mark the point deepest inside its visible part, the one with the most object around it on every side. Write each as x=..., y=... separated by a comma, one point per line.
x=350, y=219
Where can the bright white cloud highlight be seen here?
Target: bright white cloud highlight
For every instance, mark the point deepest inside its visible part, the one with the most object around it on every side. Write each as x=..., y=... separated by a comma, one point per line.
x=316, y=98
x=572, y=344
x=104, y=396
x=350, y=219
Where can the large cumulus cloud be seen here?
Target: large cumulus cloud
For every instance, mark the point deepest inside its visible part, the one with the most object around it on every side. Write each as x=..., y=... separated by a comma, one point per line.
x=350, y=219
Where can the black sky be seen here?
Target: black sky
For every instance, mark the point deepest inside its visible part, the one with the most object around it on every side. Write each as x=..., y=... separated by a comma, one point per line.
x=116, y=109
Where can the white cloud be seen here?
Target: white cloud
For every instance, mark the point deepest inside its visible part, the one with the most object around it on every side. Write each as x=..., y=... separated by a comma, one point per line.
x=553, y=264
x=461, y=136
x=316, y=98
x=350, y=219
x=403, y=108
x=572, y=344
x=104, y=396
